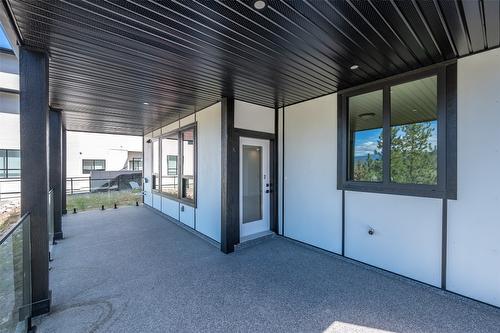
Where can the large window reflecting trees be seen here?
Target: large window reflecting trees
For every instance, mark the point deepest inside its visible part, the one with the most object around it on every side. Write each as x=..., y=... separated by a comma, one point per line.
x=393, y=135
x=414, y=132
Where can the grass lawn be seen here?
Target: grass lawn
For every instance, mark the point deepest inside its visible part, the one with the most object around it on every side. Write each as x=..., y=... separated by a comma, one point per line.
x=89, y=201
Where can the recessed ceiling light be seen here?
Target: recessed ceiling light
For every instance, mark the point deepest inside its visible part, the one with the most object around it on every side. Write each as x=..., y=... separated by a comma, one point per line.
x=353, y=67
x=145, y=103
x=366, y=115
x=260, y=4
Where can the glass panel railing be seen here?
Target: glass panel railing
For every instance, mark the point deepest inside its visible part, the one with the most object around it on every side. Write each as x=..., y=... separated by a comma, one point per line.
x=10, y=202
x=15, y=277
x=88, y=193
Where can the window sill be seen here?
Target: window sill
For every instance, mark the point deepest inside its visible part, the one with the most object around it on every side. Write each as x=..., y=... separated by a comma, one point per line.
x=182, y=201
x=423, y=191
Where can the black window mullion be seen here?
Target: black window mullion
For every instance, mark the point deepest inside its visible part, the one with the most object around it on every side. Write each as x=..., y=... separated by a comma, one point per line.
x=180, y=168
x=386, y=146
x=441, y=137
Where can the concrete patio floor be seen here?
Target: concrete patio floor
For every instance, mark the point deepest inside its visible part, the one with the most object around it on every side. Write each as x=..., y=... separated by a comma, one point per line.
x=131, y=270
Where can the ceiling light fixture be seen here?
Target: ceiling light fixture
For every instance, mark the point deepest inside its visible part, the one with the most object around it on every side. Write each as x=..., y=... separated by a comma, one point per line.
x=353, y=67
x=259, y=4
x=366, y=115
x=145, y=103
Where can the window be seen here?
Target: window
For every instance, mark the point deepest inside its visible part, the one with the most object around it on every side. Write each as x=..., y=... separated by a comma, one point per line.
x=366, y=136
x=156, y=165
x=169, y=174
x=135, y=164
x=93, y=165
x=177, y=156
x=10, y=163
x=393, y=135
x=187, y=174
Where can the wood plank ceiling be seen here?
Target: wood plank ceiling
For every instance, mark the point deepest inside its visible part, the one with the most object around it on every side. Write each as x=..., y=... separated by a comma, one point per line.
x=109, y=58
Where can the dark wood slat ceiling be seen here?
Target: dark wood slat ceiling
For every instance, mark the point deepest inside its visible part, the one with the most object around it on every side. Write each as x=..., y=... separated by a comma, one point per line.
x=108, y=58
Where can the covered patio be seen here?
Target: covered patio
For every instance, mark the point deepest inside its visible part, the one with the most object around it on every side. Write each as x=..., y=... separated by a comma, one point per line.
x=144, y=273
x=364, y=129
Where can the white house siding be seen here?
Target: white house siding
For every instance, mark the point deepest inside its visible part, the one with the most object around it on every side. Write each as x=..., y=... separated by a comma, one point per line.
x=312, y=211
x=206, y=217
x=474, y=219
x=112, y=148
x=407, y=237
x=253, y=117
x=208, y=211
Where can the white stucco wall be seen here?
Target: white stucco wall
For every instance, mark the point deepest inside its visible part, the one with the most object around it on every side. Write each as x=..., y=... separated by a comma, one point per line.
x=313, y=210
x=407, y=237
x=474, y=219
x=9, y=131
x=253, y=117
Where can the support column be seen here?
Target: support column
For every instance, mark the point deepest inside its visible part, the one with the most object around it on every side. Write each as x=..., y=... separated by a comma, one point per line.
x=63, y=171
x=230, y=227
x=34, y=116
x=55, y=166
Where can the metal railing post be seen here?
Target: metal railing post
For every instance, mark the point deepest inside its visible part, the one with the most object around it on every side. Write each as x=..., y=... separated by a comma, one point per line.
x=71, y=180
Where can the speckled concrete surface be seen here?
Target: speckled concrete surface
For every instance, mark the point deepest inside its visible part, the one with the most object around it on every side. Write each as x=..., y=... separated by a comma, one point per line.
x=130, y=270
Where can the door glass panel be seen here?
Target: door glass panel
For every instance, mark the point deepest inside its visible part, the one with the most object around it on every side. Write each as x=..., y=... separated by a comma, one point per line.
x=252, y=183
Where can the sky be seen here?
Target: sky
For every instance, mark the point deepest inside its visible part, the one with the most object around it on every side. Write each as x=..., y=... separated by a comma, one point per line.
x=366, y=141
x=4, y=43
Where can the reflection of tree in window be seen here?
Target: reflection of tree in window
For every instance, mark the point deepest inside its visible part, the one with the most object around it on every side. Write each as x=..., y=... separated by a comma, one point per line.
x=414, y=132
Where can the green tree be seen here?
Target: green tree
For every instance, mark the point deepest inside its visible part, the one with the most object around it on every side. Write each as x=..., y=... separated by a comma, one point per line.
x=413, y=155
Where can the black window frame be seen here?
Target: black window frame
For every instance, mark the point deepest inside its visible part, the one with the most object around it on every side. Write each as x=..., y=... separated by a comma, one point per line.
x=446, y=186
x=156, y=177
x=7, y=169
x=86, y=172
x=180, y=176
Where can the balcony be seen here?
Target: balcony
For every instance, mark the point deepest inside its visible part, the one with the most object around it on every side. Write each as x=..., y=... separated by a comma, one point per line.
x=132, y=270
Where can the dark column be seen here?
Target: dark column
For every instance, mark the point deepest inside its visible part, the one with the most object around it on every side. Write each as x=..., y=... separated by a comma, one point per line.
x=34, y=116
x=55, y=166
x=230, y=226
x=63, y=171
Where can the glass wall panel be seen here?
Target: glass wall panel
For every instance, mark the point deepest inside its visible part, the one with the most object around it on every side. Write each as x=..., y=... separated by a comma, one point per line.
x=366, y=137
x=414, y=132
x=188, y=152
x=156, y=164
x=169, y=170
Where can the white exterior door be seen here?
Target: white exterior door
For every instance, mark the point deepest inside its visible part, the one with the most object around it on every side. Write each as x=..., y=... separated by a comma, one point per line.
x=254, y=186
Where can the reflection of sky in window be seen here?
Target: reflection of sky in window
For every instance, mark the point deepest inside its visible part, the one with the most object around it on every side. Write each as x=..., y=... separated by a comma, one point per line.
x=4, y=43
x=366, y=142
